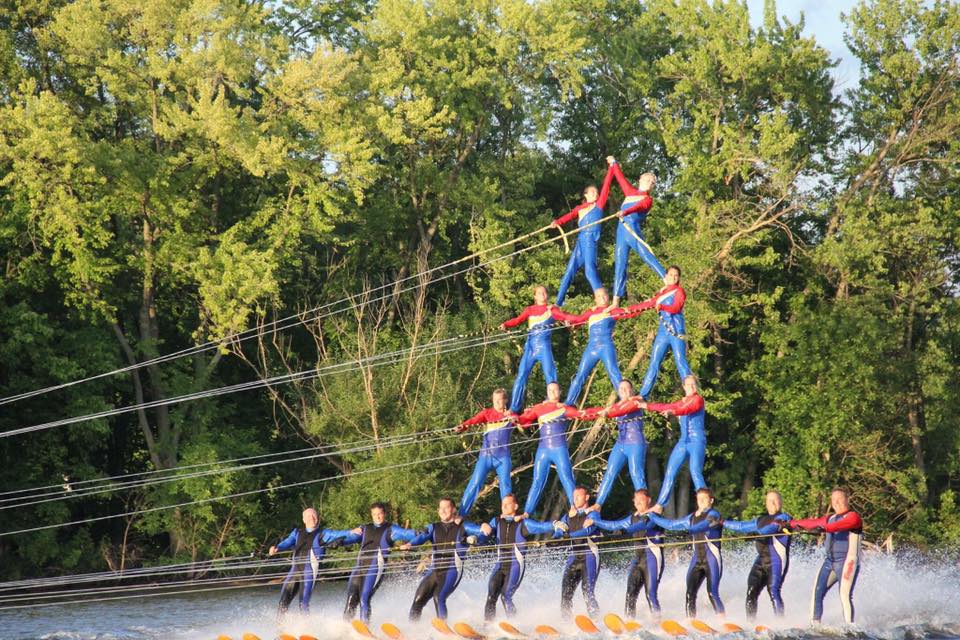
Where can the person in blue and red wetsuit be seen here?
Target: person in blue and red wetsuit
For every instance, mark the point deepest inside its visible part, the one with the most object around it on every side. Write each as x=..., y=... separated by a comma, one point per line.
x=309, y=544
x=706, y=527
x=497, y=423
x=510, y=532
x=450, y=538
x=553, y=417
x=631, y=446
x=692, y=444
x=633, y=213
x=600, y=320
x=646, y=568
x=541, y=319
x=671, y=332
x=844, y=531
x=375, y=540
x=773, y=553
x=583, y=560
x=585, y=250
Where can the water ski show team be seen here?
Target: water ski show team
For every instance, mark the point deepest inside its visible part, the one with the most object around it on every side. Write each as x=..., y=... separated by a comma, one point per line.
x=580, y=530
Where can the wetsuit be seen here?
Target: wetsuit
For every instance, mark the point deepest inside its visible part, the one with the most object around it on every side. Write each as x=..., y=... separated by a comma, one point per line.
x=375, y=542
x=707, y=563
x=636, y=205
x=646, y=568
x=510, y=536
x=449, y=541
x=494, y=454
x=538, y=347
x=773, y=558
x=692, y=443
x=600, y=323
x=671, y=333
x=583, y=564
x=553, y=418
x=842, y=564
x=309, y=546
x=584, y=253
x=630, y=448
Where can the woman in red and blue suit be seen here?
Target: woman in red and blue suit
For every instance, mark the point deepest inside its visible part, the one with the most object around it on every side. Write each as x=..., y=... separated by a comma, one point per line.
x=633, y=213
x=646, y=569
x=541, y=319
x=497, y=425
x=375, y=540
x=773, y=553
x=585, y=250
x=844, y=531
x=692, y=444
x=553, y=417
x=631, y=446
x=671, y=332
x=706, y=528
x=600, y=320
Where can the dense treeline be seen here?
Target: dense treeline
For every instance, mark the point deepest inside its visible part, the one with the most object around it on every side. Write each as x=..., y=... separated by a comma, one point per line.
x=175, y=172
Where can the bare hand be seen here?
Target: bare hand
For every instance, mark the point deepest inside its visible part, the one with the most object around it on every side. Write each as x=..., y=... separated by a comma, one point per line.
x=572, y=512
x=406, y=546
x=358, y=531
x=555, y=224
x=594, y=507
x=486, y=529
x=588, y=522
x=657, y=509
x=611, y=160
x=272, y=551
x=522, y=516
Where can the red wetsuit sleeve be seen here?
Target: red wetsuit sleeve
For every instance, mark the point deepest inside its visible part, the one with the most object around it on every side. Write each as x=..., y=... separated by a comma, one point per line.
x=640, y=206
x=512, y=322
x=563, y=316
x=679, y=297
x=529, y=416
x=809, y=523
x=573, y=413
x=605, y=189
x=625, y=186
x=684, y=406
x=847, y=522
x=567, y=217
x=480, y=418
x=637, y=309
x=579, y=319
x=591, y=413
x=623, y=408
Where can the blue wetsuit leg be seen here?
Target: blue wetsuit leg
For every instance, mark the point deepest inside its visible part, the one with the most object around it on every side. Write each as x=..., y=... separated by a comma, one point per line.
x=504, y=466
x=513, y=583
x=590, y=239
x=608, y=353
x=636, y=463
x=657, y=353
x=677, y=456
x=644, y=251
x=547, y=364
x=679, y=348
x=615, y=462
x=450, y=581
x=621, y=257
x=654, y=574
x=561, y=460
x=485, y=464
x=309, y=579
x=589, y=585
x=697, y=450
x=371, y=582
x=541, y=467
x=714, y=573
x=527, y=361
x=573, y=265
x=778, y=572
x=289, y=589
x=825, y=579
x=591, y=355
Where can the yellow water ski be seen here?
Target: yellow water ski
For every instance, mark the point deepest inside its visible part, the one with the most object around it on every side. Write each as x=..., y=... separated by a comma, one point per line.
x=223, y=637
x=585, y=624
x=614, y=623
x=673, y=627
x=760, y=628
x=729, y=627
x=306, y=637
x=251, y=636
x=466, y=631
x=512, y=630
x=546, y=630
x=286, y=636
x=442, y=626
x=391, y=631
x=361, y=628
x=632, y=626
x=702, y=626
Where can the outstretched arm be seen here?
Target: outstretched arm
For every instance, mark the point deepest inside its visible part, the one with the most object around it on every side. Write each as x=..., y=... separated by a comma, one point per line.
x=423, y=537
x=684, y=406
x=611, y=525
x=682, y=524
x=512, y=322
x=640, y=206
x=567, y=217
x=329, y=535
x=741, y=526
x=399, y=533
x=534, y=527
x=288, y=542
x=605, y=189
x=625, y=186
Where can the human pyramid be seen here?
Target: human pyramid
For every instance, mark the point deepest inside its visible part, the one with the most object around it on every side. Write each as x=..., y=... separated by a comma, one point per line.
x=582, y=527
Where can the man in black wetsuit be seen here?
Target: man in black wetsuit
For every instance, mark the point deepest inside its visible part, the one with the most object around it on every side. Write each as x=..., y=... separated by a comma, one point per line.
x=583, y=561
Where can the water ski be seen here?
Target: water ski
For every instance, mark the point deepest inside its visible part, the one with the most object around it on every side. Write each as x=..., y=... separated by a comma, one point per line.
x=585, y=624
x=729, y=627
x=511, y=630
x=546, y=630
x=306, y=637
x=632, y=626
x=673, y=627
x=286, y=636
x=702, y=626
x=223, y=637
x=361, y=628
x=466, y=631
x=251, y=636
x=760, y=628
x=391, y=631
x=441, y=625
x=614, y=623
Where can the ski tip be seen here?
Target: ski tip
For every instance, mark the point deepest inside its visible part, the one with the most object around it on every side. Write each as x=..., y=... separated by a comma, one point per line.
x=511, y=630
x=286, y=636
x=761, y=629
x=632, y=626
x=614, y=623
x=224, y=637
x=391, y=631
x=464, y=630
x=251, y=636
x=306, y=637
x=702, y=626
x=730, y=627
x=673, y=627
x=441, y=625
x=361, y=628
x=546, y=630
x=585, y=624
